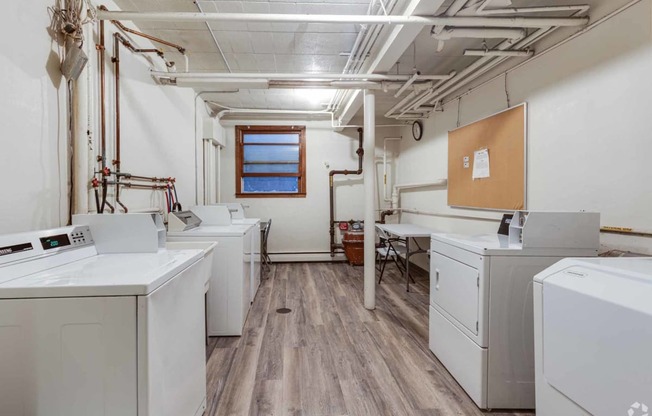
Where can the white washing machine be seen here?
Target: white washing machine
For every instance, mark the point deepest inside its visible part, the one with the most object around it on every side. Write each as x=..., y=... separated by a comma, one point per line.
x=593, y=337
x=84, y=333
x=481, y=301
x=234, y=280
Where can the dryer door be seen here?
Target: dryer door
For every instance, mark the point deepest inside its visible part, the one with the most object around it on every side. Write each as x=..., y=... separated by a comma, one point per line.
x=455, y=290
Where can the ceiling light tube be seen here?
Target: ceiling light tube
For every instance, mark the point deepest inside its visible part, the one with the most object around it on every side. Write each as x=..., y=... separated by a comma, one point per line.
x=492, y=52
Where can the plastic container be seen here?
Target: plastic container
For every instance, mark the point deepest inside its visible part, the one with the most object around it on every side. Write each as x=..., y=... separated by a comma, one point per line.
x=353, y=243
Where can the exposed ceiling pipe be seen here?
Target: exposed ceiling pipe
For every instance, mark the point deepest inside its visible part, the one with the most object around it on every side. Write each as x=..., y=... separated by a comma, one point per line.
x=469, y=73
x=296, y=76
x=452, y=10
x=407, y=84
x=482, y=11
x=486, y=65
x=517, y=21
x=477, y=33
x=360, y=53
x=551, y=48
x=492, y=52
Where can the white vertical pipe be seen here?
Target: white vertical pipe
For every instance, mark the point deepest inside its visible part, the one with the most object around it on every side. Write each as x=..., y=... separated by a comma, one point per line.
x=218, y=166
x=369, y=145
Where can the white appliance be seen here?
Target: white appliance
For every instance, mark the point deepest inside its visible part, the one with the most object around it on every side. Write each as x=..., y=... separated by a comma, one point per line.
x=481, y=301
x=84, y=333
x=593, y=337
x=211, y=215
x=234, y=280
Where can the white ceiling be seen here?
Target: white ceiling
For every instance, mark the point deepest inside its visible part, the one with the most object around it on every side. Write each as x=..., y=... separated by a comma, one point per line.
x=300, y=48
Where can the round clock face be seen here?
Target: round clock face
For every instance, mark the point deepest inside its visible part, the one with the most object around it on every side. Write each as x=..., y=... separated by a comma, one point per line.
x=417, y=130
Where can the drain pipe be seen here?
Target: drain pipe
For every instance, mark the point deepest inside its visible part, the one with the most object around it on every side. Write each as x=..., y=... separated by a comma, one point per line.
x=331, y=174
x=369, y=208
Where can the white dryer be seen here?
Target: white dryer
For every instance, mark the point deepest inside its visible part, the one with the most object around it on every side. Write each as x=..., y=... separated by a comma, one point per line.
x=234, y=281
x=593, y=337
x=83, y=333
x=481, y=301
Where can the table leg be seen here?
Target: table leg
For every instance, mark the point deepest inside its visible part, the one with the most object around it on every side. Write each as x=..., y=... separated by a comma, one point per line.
x=407, y=263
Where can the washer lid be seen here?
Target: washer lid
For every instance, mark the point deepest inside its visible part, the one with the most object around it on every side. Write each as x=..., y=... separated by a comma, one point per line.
x=597, y=334
x=104, y=275
x=235, y=230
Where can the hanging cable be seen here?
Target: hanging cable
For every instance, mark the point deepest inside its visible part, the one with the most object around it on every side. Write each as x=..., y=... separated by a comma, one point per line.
x=507, y=92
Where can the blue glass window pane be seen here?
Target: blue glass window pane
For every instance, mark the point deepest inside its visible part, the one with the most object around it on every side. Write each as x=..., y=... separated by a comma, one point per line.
x=271, y=153
x=267, y=168
x=271, y=138
x=271, y=184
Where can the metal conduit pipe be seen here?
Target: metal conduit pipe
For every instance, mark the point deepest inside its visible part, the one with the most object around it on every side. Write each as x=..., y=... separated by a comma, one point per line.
x=463, y=77
x=331, y=190
x=483, y=52
x=580, y=8
x=477, y=33
x=358, y=54
x=296, y=76
x=524, y=22
x=411, y=98
x=489, y=62
x=553, y=47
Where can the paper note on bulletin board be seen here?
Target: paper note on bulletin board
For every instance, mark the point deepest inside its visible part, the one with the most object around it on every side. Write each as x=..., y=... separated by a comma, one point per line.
x=486, y=162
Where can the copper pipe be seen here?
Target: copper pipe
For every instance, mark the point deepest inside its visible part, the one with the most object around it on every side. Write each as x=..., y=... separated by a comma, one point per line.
x=385, y=213
x=117, y=38
x=625, y=231
x=124, y=28
x=100, y=48
x=145, y=178
x=331, y=174
x=102, y=156
x=139, y=185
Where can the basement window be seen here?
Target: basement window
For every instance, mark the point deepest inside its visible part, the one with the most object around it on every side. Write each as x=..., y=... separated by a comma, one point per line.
x=270, y=161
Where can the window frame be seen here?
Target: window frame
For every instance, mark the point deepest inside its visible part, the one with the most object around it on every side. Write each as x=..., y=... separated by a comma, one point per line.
x=240, y=131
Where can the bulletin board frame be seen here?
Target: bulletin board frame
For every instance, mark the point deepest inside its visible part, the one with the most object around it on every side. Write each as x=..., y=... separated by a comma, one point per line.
x=505, y=189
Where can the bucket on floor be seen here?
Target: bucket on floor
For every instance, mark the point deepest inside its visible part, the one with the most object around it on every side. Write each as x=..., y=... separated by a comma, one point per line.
x=353, y=243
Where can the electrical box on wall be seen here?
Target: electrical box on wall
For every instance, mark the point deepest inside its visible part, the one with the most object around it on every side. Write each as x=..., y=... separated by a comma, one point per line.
x=211, y=130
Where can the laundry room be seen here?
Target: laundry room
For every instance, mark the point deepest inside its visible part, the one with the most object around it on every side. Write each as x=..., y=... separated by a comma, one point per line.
x=325, y=207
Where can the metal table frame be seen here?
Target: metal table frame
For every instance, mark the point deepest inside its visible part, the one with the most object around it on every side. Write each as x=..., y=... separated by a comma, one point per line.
x=407, y=232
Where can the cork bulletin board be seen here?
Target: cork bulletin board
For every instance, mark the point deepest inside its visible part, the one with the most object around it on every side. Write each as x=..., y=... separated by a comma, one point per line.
x=486, y=162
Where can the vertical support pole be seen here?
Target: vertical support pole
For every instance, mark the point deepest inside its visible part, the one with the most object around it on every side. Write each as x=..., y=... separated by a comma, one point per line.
x=369, y=198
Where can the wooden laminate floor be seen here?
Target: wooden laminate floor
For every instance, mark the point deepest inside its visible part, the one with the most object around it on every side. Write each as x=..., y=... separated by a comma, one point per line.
x=331, y=356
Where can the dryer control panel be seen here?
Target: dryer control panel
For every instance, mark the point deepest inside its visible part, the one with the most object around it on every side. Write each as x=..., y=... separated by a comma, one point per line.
x=15, y=247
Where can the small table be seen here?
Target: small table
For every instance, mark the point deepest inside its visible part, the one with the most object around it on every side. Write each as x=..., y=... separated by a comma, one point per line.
x=407, y=231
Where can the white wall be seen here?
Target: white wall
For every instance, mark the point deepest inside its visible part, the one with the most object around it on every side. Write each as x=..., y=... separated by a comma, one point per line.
x=158, y=132
x=32, y=114
x=589, y=130
x=300, y=225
